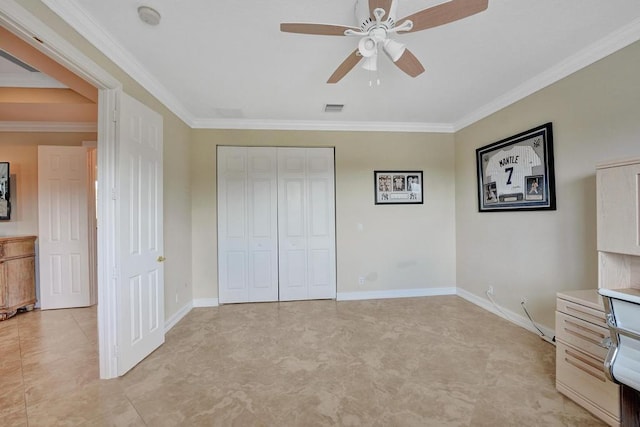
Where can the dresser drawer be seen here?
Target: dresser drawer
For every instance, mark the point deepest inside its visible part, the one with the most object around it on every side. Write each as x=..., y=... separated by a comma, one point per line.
x=584, y=375
x=16, y=248
x=581, y=311
x=583, y=335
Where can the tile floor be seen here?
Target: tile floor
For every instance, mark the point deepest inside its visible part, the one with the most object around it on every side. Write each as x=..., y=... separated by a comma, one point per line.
x=435, y=361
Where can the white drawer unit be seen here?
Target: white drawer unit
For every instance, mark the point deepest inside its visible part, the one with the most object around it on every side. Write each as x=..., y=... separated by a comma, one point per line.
x=580, y=353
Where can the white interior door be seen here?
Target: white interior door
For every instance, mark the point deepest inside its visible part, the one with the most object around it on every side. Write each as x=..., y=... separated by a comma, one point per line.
x=247, y=225
x=63, y=227
x=140, y=209
x=306, y=223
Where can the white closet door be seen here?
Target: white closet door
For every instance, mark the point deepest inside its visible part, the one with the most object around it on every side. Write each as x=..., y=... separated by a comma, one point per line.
x=247, y=225
x=306, y=223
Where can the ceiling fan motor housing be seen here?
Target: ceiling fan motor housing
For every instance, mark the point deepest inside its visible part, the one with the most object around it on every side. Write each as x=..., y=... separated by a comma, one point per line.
x=366, y=22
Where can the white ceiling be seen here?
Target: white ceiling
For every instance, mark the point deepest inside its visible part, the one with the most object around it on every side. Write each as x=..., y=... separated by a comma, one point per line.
x=225, y=64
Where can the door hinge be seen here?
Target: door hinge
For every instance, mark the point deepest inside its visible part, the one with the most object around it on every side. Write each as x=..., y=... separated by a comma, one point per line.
x=113, y=194
x=116, y=350
x=114, y=116
x=114, y=273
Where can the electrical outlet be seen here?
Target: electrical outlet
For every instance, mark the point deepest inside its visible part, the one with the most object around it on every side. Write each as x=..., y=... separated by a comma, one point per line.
x=361, y=280
x=490, y=290
x=176, y=297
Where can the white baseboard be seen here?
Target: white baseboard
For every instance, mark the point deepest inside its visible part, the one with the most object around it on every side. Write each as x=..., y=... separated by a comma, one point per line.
x=173, y=320
x=509, y=315
x=399, y=293
x=206, y=302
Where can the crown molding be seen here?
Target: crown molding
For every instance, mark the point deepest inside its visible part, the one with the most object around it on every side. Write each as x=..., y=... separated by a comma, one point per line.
x=30, y=80
x=321, y=125
x=48, y=127
x=602, y=48
x=84, y=24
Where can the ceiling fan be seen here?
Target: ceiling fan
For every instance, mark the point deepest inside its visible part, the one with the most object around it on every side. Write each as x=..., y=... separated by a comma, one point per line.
x=377, y=21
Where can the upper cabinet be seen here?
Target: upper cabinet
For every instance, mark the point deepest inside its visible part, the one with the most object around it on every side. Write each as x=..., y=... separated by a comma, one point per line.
x=619, y=207
x=618, y=196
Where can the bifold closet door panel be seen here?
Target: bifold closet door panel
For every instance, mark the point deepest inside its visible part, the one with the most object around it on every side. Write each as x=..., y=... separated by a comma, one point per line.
x=247, y=225
x=306, y=223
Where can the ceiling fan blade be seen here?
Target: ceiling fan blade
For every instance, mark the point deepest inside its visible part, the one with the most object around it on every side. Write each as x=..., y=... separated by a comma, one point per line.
x=382, y=4
x=444, y=13
x=317, y=29
x=346, y=66
x=410, y=64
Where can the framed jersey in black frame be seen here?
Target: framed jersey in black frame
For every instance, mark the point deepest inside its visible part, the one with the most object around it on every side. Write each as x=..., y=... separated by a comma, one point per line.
x=517, y=173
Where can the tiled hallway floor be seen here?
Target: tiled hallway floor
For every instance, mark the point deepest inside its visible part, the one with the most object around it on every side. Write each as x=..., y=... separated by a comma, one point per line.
x=435, y=361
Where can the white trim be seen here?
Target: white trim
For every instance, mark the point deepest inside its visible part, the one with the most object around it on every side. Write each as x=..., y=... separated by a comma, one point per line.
x=22, y=23
x=205, y=302
x=84, y=24
x=504, y=313
x=178, y=316
x=595, y=52
x=30, y=80
x=48, y=127
x=321, y=125
x=399, y=293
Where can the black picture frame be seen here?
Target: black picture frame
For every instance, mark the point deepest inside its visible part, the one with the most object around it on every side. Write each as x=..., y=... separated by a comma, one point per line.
x=517, y=173
x=398, y=187
x=5, y=191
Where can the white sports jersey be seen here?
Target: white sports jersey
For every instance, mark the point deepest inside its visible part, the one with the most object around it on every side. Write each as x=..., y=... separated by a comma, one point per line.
x=509, y=167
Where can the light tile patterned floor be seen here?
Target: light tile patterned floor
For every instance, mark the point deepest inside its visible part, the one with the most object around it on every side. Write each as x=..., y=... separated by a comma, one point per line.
x=435, y=361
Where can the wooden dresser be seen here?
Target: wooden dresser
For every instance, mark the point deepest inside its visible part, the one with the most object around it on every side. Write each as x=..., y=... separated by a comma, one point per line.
x=17, y=274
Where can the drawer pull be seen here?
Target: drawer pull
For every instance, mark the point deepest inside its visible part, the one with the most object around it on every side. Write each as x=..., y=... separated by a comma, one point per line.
x=583, y=333
x=599, y=375
x=582, y=313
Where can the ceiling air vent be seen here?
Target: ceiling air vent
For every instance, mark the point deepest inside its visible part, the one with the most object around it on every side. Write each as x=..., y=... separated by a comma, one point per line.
x=333, y=108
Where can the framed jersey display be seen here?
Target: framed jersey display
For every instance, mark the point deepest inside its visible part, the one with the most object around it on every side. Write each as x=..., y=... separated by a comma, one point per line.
x=516, y=173
x=397, y=187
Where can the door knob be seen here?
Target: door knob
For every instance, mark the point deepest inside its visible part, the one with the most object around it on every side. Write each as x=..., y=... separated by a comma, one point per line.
x=161, y=259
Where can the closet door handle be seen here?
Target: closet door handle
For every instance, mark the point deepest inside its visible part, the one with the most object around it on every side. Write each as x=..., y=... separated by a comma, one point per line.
x=161, y=259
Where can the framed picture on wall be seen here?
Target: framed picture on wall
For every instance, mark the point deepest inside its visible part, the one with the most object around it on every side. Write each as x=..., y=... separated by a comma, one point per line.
x=398, y=187
x=5, y=199
x=517, y=173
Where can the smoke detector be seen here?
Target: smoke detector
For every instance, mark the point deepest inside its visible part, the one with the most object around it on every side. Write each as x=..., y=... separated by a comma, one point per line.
x=149, y=15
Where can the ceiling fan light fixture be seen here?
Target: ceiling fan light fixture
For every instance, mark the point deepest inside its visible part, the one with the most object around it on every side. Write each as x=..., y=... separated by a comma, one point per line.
x=367, y=47
x=393, y=49
x=149, y=15
x=371, y=63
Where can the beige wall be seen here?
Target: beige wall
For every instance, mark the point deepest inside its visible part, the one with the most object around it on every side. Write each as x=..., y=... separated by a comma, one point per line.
x=177, y=204
x=21, y=150
x=595, y=114
x=400, y=247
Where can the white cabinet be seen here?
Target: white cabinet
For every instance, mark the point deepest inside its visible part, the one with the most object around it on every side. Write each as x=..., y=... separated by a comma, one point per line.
x=618, y=207
x=580, y=352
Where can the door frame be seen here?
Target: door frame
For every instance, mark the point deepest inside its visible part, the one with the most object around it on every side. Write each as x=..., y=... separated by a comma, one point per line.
x=26, y=26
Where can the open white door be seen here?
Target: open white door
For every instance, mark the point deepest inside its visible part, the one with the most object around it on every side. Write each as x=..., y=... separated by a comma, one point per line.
x=62, y=227
x=140, y=203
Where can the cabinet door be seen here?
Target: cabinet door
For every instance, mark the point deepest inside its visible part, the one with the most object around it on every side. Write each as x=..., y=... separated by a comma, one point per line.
x=21, y=284
x=618, y=214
